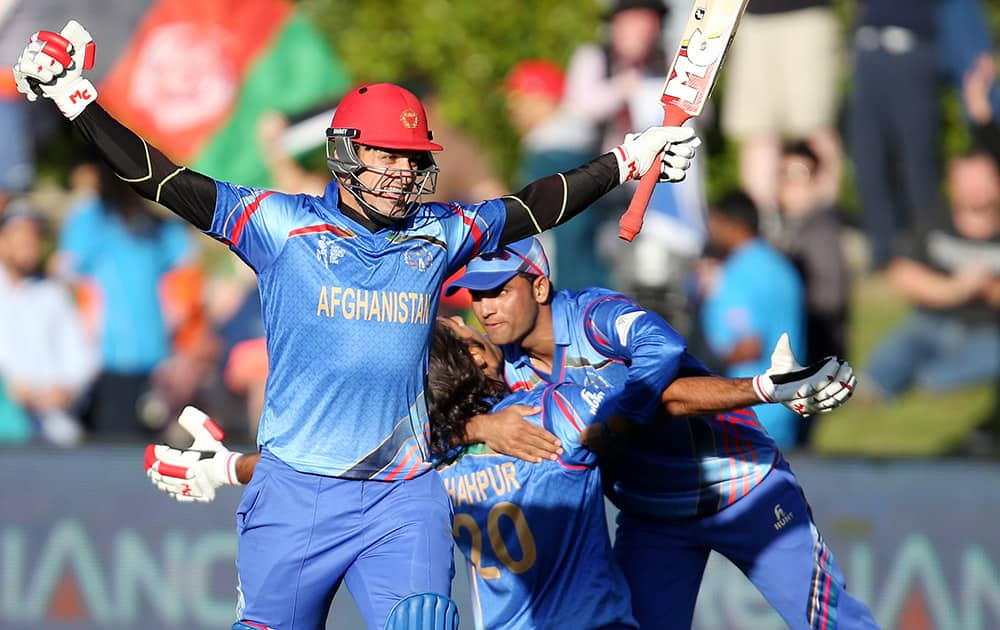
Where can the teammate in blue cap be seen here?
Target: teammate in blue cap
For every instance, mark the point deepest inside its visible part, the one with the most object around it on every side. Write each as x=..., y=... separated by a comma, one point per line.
x=535, y=535
x=687, y=464
x=349, y=286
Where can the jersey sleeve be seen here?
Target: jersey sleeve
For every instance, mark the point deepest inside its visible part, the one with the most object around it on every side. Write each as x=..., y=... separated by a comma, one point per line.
x=471, y=230
x=621, y=329
x=254, y=223
x=567, y=410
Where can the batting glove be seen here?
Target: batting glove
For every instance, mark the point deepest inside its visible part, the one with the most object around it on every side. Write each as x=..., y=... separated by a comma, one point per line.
x=817, y=388
x=639, y=151
x=52, y=66
x=193, y=474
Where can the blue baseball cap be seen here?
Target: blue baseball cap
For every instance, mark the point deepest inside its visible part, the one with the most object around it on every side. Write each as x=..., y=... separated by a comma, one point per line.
x=489, y=271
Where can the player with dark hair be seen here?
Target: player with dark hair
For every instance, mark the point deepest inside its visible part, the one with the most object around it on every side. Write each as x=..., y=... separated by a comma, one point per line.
x=689, y=475
x=349, y=287
x=535, y=535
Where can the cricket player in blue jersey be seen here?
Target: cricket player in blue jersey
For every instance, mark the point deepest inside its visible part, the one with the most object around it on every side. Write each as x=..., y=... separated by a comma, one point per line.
x=349, y=285
x=687, y=464
x=535, y=535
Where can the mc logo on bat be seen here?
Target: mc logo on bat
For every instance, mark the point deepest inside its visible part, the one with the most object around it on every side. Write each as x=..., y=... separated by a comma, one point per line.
x=695, y=59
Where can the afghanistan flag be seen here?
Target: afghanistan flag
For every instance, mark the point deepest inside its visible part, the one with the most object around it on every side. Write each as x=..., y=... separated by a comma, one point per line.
x=192, y=76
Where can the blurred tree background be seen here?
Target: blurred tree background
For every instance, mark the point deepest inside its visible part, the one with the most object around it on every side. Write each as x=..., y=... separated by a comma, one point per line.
x=465, y=48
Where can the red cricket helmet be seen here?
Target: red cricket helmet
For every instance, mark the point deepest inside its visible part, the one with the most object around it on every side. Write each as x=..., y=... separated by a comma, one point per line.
x=384, y=115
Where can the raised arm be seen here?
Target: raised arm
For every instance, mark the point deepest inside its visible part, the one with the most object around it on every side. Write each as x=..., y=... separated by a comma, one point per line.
x=555, y=199
x=188, y=194
x=52, y=66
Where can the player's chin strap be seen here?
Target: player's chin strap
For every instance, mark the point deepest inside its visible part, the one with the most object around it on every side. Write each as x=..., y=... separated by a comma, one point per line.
x=410, y=199
x=354, y=186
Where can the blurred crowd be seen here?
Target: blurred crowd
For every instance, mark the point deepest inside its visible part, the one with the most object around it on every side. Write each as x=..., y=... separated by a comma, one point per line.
x=113, y=316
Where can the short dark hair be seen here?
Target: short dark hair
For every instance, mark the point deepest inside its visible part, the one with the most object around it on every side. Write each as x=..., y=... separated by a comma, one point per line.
x=739, y=207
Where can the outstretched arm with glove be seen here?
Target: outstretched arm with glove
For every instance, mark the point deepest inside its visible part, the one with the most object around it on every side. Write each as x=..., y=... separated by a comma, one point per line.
x=555, y=199
x=193, y=474
x=52, y=66
x=817, y=388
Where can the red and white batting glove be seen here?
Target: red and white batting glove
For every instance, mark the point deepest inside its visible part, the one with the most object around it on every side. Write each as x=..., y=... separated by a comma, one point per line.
x=52, y=66
x=193, y=474
x=817, y=388
x=636, y=155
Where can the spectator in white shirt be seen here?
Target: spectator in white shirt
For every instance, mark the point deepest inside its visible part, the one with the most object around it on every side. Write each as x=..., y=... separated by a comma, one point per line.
x=46, y=362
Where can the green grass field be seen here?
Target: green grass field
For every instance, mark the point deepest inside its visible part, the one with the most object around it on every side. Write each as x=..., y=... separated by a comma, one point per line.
x=917, y=425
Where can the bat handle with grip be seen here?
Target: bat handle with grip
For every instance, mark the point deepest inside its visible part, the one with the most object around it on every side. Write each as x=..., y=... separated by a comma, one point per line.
x=207, y=435
x=631, y=222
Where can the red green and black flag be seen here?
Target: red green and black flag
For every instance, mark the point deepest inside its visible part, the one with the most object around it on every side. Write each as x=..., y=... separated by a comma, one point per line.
x=192, y=77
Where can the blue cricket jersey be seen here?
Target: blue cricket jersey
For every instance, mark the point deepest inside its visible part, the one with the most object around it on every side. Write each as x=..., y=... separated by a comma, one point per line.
x=535, y=534
x=669, y=467
x=348, y=315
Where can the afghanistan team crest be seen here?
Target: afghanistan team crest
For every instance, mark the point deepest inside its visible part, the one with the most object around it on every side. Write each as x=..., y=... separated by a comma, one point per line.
x=409, y=118
x=419, y=257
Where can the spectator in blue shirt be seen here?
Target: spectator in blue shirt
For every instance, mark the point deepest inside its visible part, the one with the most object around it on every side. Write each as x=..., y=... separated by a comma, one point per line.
x=115, y=242
x=755, y=295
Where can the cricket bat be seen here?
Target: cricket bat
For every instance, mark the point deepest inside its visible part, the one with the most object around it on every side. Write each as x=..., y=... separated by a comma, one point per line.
x=705, y=40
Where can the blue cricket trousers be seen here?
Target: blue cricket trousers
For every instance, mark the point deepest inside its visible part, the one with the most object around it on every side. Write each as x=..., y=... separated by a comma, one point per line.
x=301, y=534
x=769, y=534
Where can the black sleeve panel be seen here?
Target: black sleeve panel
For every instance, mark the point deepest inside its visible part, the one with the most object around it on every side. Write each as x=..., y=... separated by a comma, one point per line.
x=555, y=199
x=188, y=194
